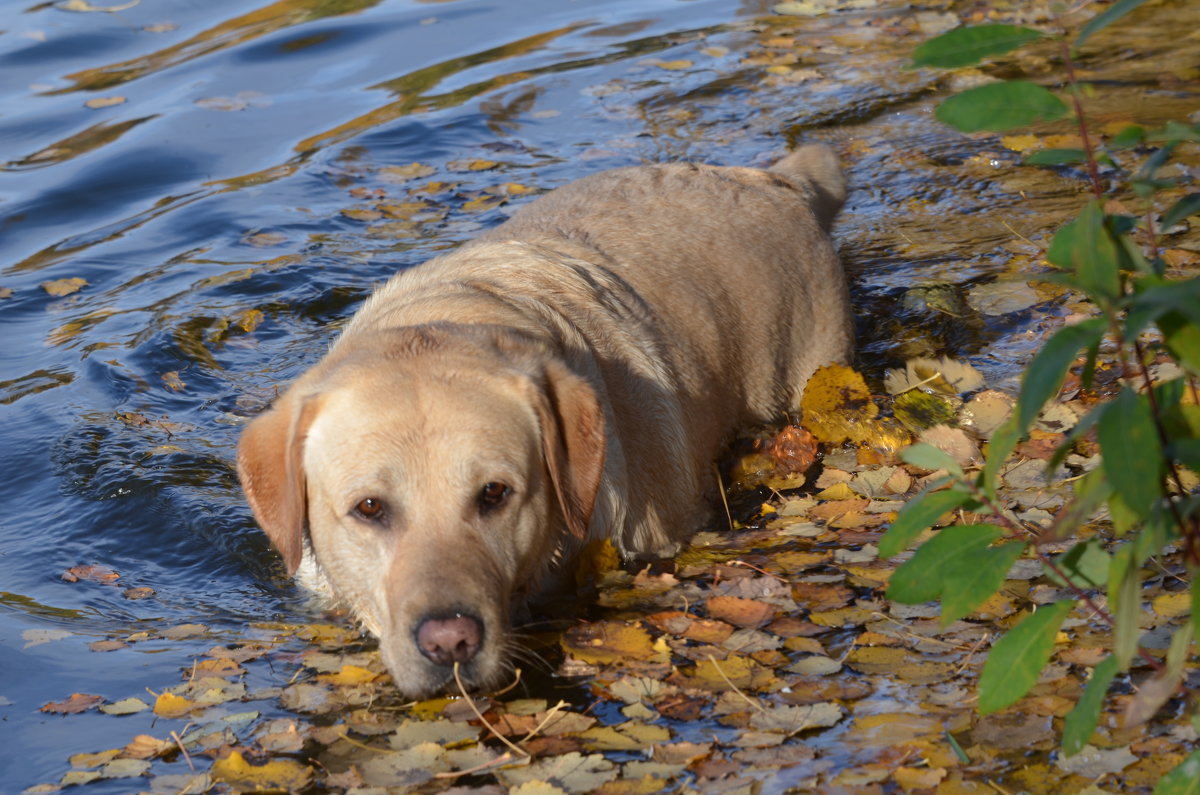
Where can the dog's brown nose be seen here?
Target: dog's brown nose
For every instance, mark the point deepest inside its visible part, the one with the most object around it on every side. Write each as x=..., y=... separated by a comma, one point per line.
x=450, y=640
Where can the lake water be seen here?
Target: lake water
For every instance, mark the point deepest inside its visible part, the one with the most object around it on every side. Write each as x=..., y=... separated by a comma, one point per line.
x=231, y=180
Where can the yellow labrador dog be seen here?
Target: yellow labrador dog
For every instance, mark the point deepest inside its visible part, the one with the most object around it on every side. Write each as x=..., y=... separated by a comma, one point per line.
x=569, y=375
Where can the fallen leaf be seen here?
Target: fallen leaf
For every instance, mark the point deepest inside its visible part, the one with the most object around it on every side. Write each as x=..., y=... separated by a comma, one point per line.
x=954, y=442
x=173, y=381
x=103, y=102
x=169, y=705
x=837, y=405
x=405, y=173
x=36, y=637
x=78, y=702
x=1092, y=762
x=573, y=772
x=609, y=642
x=739, y=612
x=61, y=287
x=944, y=376
x=144, y=746
x=126, y=706
x=280, y=774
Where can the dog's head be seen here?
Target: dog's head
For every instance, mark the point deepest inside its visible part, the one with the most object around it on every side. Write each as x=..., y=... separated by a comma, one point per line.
x=433, y=480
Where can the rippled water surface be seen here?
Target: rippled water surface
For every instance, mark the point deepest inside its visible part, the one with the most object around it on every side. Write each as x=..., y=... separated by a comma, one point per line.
x=231, y=179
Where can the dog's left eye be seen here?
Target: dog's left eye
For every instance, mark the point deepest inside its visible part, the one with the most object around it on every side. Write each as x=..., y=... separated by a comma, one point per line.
x=493, y=494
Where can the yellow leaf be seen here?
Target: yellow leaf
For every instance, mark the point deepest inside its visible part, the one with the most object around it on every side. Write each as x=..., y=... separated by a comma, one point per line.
x=1169, y=605
x=838, y=491
x=482, y=203
x=61, y=287
x=1021, y=143
x=169, y=705
x=673, y=66
x=350, y=675
x=837, y=405
x=403, y=173
x=282, y=774
x=609, y=642
x=362, y=214
x=94, y=760
x=472, y=165
x=103, y=102
x=249, y=320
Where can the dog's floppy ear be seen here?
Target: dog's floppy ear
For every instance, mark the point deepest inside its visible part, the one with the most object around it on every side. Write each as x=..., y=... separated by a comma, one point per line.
x=271, y=467
x=573, y=443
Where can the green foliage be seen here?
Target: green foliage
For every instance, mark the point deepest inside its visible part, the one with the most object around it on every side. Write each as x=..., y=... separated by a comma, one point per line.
x=997, y=107
x=966, y=46
x=1016, y=660
x=1144, y=433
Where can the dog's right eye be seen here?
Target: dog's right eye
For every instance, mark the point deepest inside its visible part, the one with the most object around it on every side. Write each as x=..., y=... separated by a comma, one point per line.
x=369, y=508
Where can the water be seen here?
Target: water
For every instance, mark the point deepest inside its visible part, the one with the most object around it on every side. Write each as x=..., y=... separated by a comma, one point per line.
x=223, y=205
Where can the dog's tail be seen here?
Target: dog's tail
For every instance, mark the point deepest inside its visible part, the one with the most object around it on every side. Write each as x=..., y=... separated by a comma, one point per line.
x=817, y=165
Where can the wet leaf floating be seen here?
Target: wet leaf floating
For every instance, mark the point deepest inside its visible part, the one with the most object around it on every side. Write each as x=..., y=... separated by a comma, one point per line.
x=91, y=573
x=282, y=774
x=78, y=702
x=173, y=382
x=61, y=287
x=103, y=102
x=405, y=173
x=84, y=6
x=837, y=405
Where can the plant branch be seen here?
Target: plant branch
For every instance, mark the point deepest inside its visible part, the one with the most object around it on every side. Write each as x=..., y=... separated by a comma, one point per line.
x=1093, y=167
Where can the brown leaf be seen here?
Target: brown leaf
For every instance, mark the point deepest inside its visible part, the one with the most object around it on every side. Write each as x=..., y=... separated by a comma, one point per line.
x=103, y=102
x=78, y=702
x=91, y=573
x=738, y=611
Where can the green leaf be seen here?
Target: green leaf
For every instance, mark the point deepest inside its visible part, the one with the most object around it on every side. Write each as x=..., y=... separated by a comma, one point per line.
x=1000, y=106
x=1174, y=132
x=1132, y=453
x=1081, y=721
x=929, y=457
x=917, y=516
x=924, y=576
x=1016, y=660
x=1187, y=206
x=1182, y=339
x=1090, y=249
x=1183, y=780
x=1056, y=157
x=1129, y=137
x=1125, y=602
x=1085, y=565
x=967, y=46
x=1000, y=446
x=1046, y=373
x=1110, y=15
x=969, y=581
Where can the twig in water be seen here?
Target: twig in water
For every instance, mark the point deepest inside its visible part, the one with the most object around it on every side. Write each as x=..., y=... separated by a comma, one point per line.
x=721, y=491
x=470, y=703
x=729, y=682
x=186, y=756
